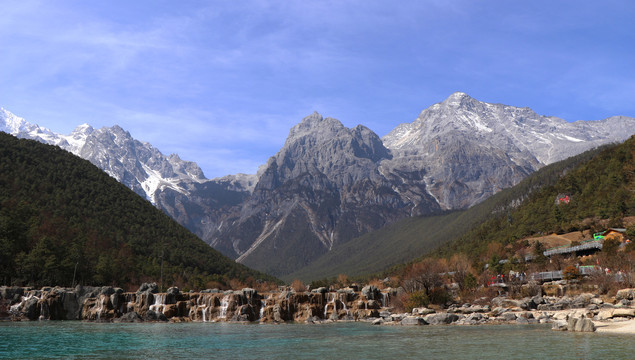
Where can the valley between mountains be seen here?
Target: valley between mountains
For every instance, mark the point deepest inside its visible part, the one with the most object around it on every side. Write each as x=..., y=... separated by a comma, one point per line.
x=330, y=184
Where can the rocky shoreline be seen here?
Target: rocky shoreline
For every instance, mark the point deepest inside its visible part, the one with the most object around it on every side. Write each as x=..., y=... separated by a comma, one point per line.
x=583, y=312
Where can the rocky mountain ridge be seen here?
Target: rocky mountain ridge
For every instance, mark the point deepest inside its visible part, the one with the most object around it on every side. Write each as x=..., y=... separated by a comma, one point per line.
x=329, y=184
x=471, y=149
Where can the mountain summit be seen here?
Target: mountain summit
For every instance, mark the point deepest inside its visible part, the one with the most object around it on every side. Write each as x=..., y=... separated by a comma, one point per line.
x=322, y=188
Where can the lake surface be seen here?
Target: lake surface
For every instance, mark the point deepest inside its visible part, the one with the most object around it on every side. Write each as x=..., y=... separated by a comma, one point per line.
x=81, y=340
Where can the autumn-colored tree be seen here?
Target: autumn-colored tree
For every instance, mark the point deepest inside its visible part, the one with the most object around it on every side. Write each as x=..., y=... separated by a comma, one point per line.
x=298, y=286
x=342, y=280
x=460, y=266
x=570, y=273
x=424, y=275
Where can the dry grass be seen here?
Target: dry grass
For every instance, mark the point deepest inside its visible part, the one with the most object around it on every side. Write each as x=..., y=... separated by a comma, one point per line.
x=550, y=241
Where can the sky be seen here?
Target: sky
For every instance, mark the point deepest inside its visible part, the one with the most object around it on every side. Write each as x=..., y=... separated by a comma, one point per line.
x=222, y=82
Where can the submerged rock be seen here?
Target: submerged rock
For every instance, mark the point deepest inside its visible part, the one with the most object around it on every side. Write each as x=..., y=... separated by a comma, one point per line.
x=441, y=318
x=413, y=320
x=560, y=325
x=580, y=324
x=152, y=315
x=131, y=317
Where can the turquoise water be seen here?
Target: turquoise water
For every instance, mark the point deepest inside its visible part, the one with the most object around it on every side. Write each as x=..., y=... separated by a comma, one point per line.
x=82, y=340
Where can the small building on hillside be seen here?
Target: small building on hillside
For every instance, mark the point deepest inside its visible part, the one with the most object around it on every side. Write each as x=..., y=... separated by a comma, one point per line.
x=615, y=233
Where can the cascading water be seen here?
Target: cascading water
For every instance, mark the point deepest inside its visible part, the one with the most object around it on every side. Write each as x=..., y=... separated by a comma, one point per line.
x=263, y=304
x=331, y=301
x=201, y=304
x=289, y=314
x=130, y=306
x=100, y=306
x=15, y=309
x=159, y=303
x=385, y=299
x=223, y=307
x=345, y=308
x=343, y=298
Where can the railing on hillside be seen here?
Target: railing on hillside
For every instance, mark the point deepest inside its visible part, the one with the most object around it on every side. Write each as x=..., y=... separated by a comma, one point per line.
x=546, y=276
x=589, y=270
x=586, y=245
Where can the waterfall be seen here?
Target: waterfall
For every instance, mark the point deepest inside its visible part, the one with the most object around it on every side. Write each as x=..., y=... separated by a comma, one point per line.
x=289, y=316
x=263, y=304
x=223, y=307
x=130, y=306
x=159, y=303
x=201, y=303
x=15, y=308
x=345, y=308
x=385, y=299
x=332, y=301
x=100, y=306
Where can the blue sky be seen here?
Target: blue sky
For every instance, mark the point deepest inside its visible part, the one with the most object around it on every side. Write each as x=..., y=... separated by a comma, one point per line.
x=222, y=82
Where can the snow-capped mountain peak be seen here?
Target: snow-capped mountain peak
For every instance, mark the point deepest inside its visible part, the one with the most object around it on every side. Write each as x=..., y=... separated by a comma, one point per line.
x=456, y=99
x=10, y=123
x=136, y=164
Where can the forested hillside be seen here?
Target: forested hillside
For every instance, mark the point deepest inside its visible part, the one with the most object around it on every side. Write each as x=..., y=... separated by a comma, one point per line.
x=61, y=218
x=602, y=188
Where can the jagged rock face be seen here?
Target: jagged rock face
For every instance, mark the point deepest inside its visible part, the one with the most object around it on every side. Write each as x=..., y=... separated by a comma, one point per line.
x=324, y=187
x=470, y=150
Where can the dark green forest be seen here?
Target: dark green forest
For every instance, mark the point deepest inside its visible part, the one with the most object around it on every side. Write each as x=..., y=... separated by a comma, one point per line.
x=63, y=222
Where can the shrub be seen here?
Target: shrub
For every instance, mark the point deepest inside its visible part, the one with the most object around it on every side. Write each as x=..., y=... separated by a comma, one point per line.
x=610, y=246
x=570, y=273
x=320, y=283
x=415, y=299
x=469, y=282
x=439, y=296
